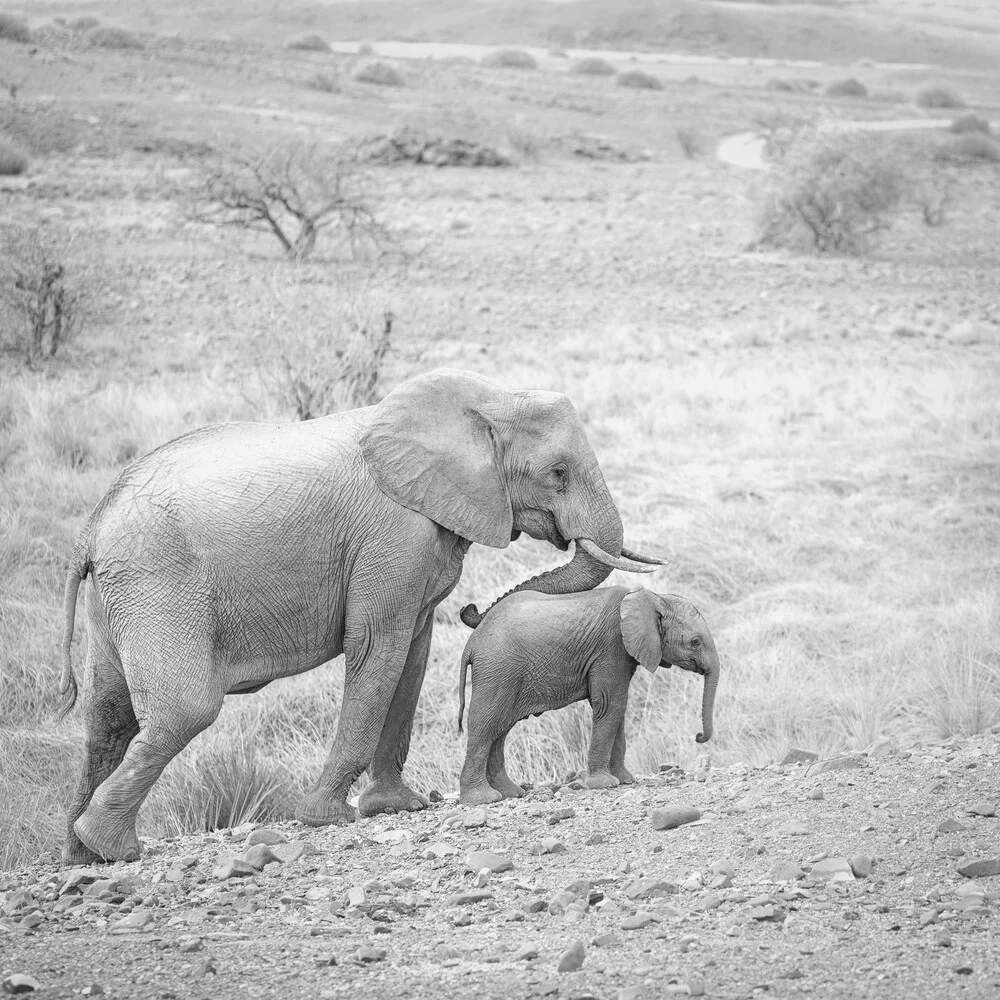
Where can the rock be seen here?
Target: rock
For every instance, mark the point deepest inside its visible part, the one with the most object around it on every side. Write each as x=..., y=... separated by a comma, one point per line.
x=829, y=867
x=981, y=809
x=189, y=943
x=596, y=838
x=136, y=921
x=232, y=867
x=468, y=898
x=474, y=819
x=722, y=867
x=559, y=815
x=478, y=860
x=462, y=920
x=650, y=888
x=206, y=968
x=356, y=896
x=392, y=836
x=260, y=855
x=524, y=954
x=267, y=837
x=942, y=939
x=980, y=869
x=695, y=987
x=535, y=906
x=366, y=954
x=445, y=952
x=709, y=902
x=549, y=845
x=286, y=853
x=93, y=990
x=18, y=982
x=721, y=882
x=785, y=871
x=637, y=921
x=846, y=762
x=693, y=882
x=440, y=850
x=606, y=941
x=793, y=829
x=928, y=917
x=861, y=866
x=671, y=817
x=970, y=889
x=767, y=912
x=950, y=826
x=816, y=794
x=572, y=958
x=797, y=756
x=963, y=970
x=630, y=993
x=76, y=877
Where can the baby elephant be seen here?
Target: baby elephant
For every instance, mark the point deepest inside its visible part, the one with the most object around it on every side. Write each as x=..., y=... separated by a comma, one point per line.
x=534, y=652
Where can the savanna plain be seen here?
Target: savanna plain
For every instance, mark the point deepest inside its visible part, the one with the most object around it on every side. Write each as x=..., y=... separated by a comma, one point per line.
x=810, y=440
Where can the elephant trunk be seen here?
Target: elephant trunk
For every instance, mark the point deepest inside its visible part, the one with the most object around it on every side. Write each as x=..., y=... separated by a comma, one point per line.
x=708, y=697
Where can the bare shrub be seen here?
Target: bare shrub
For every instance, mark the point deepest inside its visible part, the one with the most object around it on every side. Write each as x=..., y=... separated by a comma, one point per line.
x=972, y=146
x=846, y=88
x=832, y=192
x=13, y=29
x=382, y=74
x=313, y=365
x=42, y=292
x=593, y=66
x=969, y=123
x=112, y=38
x=308, y=42
x=690, y=141
x=294, y=193
x=82, y=23
x=366, y=49
x=326, y=82
x=932, y=195
x=639, y=79
x=12, y=160
x=939, y=97
x=509, y=59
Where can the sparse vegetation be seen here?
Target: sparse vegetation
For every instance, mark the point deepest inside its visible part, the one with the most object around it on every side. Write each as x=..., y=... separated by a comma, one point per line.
x=109, y=37
x=639, y=79
x=593, y=66
x=690, y=141
x=939, y=97
x=326, y=82
x=308, y=42
x=13, y=161
x=82, y=23
x=382, y=74
x=970, y=123
x=832, y=192
x=846, y=88
x=972, y=146
x=509, y=59
x=294, y=194
x=13, y=29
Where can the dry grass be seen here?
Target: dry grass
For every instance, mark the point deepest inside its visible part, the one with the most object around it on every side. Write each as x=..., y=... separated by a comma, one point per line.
x=308, y=42
x=12, y=160
x=593, y=66
x=13, y=29
x=509, y=59
x=382, y=74
x=939, y=97
x=639, y=79
x=110, y=37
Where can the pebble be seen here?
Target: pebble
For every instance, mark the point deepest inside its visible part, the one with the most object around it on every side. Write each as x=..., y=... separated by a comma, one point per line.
x=18, y=982
x=671, y=817
x=549, y=845
x=928, y=917
x=861, y=866
x=830, y=867
x=559, y=815
x=767, y=912
x=93, y=990
x=572, y=958
x=606, y=941
x=596, y=838
x=137, y=920
x=693, y=882
x=474, y=819
x=981, y=808
x=950, y=826
x=260, y=855
x=287, y=852
x=637, y=921
x=793, y=829
x=942, y=939
x=630, y=993
x=816, y=794
x=467, y=898
x=478, y=860
x=981, y=869
x=189, y=943
x=445, y=952
x=524, y=954
x=266, y=836
x=367, y=954
x=785, y=871
x=722, y=867
x=710, y=902
x=536, y=906
x=232, y=867
x=846, y=762
x=650, y=888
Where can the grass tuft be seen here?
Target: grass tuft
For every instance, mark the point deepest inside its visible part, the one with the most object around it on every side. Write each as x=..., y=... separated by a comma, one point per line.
x=639, y=79
x=382, y=74
x=939, y=97
x=846, y=88
x=593, y=66
x=308, y=42
x=12, y=160
x=509, y=59
x=112, y=38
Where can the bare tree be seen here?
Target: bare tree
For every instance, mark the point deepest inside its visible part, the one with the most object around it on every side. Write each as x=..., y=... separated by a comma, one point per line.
x=295, y=193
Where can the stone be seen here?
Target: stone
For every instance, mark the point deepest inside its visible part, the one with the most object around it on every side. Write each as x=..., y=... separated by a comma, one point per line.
x=266, y=836
x=981, y=869
x=861, y=866
x=596, y=838
x=468, y=898
x=793, y=829
x=259, y=855
x=942, y=939
x=767, y=912
x=288, y=852
x=630, y=993
x=189, y=943
x=695, y=987
x=981, y=808
x=650, y=888
x=671, y=817
x=606, y=941
x=721, y=882
x=845, y=762
x=232, y=867
x=829, y=867
x=19, y=982
x=559, y=815
x=76, y=877
x=440, y=850
x=524, y=954
x=93, y=990
x=637, y=921
x=446, y=952
x=928, y=917
x=797, y=756
x=572, y=958
x=536, y=906
x=368, y=955
x=550, y=845
x=478, y=860
x=950, y=826
x=882, y=747
x=722, y=867
x=474, y=819
x=136, y=921
x=785, y=871
x=816, y=794
x=970, y=889
x=709, y=902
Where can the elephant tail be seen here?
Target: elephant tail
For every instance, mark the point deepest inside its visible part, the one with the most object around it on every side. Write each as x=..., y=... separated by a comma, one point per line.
x=78, y=571
x=463, y=673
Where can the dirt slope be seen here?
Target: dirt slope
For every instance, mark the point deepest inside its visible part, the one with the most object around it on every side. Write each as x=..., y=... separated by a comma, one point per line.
x=837, y=879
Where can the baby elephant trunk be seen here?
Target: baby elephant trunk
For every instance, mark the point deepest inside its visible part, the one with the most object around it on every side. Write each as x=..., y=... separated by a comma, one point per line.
x=708, y=695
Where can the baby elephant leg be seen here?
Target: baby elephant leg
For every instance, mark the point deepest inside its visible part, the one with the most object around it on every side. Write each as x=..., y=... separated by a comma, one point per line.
x=618, y=768
x=496, y=772
x=474, y=788
x=609, y=720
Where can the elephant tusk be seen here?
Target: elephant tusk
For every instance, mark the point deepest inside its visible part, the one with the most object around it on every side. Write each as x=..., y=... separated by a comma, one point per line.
x=616, y=562
x=639, y=557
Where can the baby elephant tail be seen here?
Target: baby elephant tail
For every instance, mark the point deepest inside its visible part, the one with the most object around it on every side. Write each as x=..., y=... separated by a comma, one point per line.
x=463, y=673
x=78, y=571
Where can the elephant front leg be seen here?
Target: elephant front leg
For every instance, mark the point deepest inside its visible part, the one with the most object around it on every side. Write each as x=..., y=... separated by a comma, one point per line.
x=609, y=720
x=618, y=768
x=388, y=793
x=375, y=659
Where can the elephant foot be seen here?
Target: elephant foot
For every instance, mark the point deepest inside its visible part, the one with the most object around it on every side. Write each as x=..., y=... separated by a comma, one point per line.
x=318, y=809
x=395, y=798
x=505, y=786
x=624, y=777
x=601, y=779
x=105, y=840
x=480, y=795
x=76, y=855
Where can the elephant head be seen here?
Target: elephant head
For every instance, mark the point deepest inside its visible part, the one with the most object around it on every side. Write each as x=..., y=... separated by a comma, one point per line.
x=663, y=631
x=488, y=463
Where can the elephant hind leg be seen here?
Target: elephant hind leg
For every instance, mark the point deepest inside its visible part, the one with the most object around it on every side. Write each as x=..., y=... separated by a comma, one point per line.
x=618, y=768
x=496, y=771
x=474, y=788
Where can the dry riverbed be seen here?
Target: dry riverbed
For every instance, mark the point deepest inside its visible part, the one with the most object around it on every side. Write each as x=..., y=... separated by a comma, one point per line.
x=869, y=875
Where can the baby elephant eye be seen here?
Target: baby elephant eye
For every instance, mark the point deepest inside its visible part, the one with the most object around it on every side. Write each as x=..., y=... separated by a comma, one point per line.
x=695, y=642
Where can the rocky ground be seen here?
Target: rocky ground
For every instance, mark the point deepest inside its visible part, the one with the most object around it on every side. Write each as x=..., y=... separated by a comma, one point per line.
x=870, y=875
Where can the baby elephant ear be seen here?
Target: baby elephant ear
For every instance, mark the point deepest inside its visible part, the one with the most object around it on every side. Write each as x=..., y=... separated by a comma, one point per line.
x=641, y=628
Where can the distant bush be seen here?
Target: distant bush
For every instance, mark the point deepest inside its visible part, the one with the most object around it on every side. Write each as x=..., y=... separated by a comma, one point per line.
x=639, y=79
x=326, y=82
x=12, y=160
x=82, y=23
x=112, y=38
x=939, y=97
x=974, y=146
x=969, y=123
x=689, y=139
x=558, y=54
x=509, y=59
x=593, y=66
x=366, y=49
x=831, y=192
x=308, y=42
x=13, y=29
x=847, y=88
x=381, y=73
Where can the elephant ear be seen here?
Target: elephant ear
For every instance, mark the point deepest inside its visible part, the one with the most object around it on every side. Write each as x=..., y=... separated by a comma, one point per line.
x=432, y=447
x=641, y=628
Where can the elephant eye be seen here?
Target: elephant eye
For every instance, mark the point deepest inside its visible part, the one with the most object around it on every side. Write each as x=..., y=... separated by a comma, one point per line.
x=559, y=475
x=695, y=642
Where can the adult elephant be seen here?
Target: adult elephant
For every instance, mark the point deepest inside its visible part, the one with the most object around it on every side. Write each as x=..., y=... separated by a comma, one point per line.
x=241, y=553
